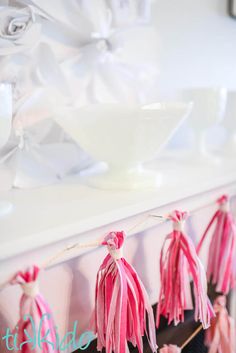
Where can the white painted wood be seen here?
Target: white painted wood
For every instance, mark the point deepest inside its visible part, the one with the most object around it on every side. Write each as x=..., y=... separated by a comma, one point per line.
x=47, y=215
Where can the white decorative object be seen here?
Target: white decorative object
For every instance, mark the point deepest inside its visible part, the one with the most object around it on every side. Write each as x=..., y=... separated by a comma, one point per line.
x=105, y=63
x=59, y=58
x=230, y=124
x=124, y=137
x=111, y=67
x=20, y=29
x=5, y=129
x=208, y=110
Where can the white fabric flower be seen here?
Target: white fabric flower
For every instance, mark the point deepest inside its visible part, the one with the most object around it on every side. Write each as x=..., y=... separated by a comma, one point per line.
x=108, y=64
x=116, y=65
x=20, y=29
x=79, y=17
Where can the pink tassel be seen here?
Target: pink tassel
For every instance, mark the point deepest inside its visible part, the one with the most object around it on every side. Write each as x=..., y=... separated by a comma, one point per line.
x=222, y=250
x=170, y=349
x=220, y=337
x=35, y=316
x=122, y=304
x=178, y=260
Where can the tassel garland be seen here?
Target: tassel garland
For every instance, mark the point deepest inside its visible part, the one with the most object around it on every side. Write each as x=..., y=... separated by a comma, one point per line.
x=123, y=313
x=222, y=250
x=178, y=260
x=122, y=308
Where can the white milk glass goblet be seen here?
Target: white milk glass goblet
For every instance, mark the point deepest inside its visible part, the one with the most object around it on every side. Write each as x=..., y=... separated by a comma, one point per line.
x=5, y=129
x=208, y=109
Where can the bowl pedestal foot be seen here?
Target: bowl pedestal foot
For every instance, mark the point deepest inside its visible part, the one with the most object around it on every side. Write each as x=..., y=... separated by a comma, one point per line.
x=126, y=179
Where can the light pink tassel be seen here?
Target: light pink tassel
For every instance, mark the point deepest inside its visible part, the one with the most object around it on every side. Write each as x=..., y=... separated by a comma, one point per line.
x=178, y=260
x=220, y=337
x=35, y=316
x=122, y=305
x=170, y=349
x=222, y=250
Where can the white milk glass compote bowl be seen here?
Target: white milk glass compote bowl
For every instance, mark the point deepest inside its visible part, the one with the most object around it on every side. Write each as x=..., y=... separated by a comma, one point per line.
x=208, y=109
x=124, y=137
x=5, y=129
x=230, y=125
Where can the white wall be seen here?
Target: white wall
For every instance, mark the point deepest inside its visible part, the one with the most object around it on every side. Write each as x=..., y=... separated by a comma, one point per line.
x=197, y=45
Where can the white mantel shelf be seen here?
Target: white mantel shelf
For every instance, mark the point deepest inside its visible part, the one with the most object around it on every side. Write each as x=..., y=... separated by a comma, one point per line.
x=50, y=214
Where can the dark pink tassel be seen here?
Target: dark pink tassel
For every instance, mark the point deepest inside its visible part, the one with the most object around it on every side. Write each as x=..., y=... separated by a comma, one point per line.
x=178, y=260
x=222, y=251
x=122, y=305
x=35, y=316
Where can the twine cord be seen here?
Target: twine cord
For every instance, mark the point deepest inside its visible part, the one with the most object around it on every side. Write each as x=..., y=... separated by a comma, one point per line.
x=95, y=244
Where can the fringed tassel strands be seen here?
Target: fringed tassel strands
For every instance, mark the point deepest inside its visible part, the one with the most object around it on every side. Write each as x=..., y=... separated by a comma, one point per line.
x=220, y=337
x=222, y=250
x=122, y=305
x=35, y=316
x=178, y=260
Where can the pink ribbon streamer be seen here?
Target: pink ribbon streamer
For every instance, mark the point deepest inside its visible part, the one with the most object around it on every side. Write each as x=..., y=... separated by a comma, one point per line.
x=170, y=349
x=122, y=308
x=36, y=323
x=222, y=250
x=178, y=260
x=220, y=337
